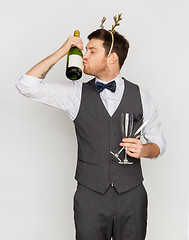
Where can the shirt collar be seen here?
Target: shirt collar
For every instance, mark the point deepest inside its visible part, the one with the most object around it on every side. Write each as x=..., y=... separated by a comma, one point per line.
x=117, y=80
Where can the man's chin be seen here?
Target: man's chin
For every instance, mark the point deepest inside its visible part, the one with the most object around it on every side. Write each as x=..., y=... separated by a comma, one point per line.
x=86, y=72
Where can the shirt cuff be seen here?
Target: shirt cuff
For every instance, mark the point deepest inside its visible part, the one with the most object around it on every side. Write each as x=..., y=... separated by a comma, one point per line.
x=161, y=144
x=29, y=81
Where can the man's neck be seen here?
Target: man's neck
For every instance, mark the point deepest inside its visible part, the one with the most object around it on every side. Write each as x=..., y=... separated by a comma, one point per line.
x=108, y=77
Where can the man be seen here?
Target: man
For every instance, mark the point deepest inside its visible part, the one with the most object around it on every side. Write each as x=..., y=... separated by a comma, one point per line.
x=110, y=200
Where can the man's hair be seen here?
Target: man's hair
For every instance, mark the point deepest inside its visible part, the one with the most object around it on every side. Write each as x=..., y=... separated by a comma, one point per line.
x=120, y=47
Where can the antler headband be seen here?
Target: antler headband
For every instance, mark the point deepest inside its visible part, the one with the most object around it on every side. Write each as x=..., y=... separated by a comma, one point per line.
x=112, y=31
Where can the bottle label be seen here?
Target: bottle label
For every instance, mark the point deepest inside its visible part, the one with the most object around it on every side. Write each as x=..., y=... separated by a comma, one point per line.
x=75, y=61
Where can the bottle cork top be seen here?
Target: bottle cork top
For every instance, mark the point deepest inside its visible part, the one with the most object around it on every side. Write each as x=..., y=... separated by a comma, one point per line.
x=77, y=33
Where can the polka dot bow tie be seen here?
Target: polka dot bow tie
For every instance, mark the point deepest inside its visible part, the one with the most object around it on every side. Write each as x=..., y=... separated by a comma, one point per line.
x=110, y=86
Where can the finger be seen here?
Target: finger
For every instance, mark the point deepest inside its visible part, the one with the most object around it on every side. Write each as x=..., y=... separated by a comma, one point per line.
x=131, y=154
x=131, y=145
x=131, y=140
x=134, y=150
x=122, y=144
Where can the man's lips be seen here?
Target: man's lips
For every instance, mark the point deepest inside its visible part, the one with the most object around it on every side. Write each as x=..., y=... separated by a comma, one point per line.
x=84, y=63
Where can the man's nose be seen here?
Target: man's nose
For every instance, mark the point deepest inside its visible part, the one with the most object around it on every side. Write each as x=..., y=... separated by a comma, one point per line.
x=85, y=55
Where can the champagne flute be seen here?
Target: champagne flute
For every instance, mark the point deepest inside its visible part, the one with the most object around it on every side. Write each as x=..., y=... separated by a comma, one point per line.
x=126, y=130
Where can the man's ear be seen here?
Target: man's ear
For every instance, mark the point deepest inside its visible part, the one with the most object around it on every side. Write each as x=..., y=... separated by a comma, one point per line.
x=113, y=58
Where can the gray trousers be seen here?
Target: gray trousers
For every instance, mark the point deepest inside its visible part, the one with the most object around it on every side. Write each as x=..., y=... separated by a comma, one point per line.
x=102, y=216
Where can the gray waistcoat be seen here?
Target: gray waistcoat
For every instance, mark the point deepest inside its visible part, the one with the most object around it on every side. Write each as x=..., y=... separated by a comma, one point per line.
x=98, y=134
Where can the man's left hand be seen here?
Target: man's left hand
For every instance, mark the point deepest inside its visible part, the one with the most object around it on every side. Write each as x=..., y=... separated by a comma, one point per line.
x=134, y=147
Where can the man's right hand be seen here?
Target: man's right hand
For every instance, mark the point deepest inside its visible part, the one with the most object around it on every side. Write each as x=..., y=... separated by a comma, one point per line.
x=72, y=41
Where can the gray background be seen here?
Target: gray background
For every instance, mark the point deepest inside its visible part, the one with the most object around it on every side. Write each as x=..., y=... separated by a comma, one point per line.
x=38, y=145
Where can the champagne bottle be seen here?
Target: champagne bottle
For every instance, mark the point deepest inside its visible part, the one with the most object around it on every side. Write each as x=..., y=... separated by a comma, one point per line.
x=74, y=61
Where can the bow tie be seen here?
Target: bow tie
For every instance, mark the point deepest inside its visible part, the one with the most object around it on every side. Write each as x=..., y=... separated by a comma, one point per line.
x=110, y=86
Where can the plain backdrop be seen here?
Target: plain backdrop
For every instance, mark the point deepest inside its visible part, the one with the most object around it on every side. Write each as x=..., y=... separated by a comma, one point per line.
x=38, y=143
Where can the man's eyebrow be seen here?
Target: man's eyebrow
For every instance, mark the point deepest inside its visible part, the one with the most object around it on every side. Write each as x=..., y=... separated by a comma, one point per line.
x=91, y=48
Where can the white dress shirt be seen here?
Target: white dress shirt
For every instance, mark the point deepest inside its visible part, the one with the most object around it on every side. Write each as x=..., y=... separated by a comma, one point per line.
x=67, y=97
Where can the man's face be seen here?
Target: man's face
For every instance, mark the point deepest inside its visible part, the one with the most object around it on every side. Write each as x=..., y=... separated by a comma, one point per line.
x=95, y=60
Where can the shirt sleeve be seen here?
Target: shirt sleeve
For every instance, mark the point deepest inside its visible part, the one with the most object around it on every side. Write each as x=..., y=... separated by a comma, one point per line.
x=153, y=131
x=65, y=96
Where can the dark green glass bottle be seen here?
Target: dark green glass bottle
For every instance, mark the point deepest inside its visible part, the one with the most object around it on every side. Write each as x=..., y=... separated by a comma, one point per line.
x=74, y=61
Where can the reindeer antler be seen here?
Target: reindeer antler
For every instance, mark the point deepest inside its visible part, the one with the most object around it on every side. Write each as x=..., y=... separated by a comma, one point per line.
x=116, y=20
x=102, y=22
